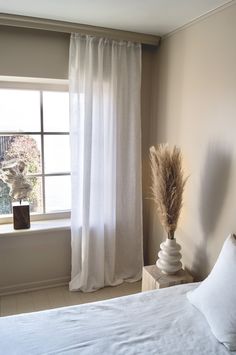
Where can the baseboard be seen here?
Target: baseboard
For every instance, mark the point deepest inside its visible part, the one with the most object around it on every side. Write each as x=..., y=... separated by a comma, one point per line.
x=34, y=286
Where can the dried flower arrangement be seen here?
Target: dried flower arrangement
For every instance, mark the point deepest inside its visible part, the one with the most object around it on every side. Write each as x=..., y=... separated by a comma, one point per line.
x=168, y=185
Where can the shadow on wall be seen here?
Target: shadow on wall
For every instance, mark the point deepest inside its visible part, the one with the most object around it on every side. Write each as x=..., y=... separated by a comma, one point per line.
x=214, y=185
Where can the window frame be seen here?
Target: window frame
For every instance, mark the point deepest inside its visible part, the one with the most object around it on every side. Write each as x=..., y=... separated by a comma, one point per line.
x=38, y=84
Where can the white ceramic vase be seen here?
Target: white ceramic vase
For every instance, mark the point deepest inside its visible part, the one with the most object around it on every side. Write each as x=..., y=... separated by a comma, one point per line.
x=169, y=257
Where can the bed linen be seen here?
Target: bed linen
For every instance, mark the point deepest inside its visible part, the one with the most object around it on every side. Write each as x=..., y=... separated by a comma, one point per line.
x=154, y=322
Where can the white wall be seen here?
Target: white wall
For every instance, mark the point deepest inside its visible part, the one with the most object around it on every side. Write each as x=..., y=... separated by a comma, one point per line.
x=194, y=106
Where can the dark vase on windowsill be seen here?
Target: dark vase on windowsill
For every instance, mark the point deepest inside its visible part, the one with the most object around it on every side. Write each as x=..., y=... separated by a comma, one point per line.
x=21, y=215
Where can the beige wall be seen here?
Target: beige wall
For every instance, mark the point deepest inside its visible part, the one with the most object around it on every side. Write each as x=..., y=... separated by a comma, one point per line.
x=194, y=106
x=148, y=62
x=33, y=53
x=188, y=98
x=34, y=260
x=43, y=257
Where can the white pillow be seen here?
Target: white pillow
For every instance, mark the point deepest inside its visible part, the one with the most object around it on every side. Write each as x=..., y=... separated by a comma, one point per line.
x=216, y=295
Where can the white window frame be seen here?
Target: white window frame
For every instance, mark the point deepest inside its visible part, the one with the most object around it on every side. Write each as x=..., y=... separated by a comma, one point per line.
x=41, y=85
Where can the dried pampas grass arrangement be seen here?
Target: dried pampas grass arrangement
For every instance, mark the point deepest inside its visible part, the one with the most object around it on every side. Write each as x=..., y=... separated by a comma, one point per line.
x=168, y=185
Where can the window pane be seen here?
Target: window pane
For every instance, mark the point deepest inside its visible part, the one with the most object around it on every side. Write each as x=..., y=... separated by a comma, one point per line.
x=57, y=154
x=56, y=111
x=19, y=110
x=22, y=147
x=58, y=194
x=5, y=205
x=36, y=197
x=35, y=155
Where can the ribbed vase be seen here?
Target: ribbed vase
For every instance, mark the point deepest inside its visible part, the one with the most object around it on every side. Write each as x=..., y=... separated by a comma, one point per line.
x=169, y=257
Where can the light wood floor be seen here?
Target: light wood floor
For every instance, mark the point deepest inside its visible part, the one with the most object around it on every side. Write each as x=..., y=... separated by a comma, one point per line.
x=60, y=297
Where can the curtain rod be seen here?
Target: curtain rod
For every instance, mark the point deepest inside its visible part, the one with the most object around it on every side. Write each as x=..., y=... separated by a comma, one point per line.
x=69, y=27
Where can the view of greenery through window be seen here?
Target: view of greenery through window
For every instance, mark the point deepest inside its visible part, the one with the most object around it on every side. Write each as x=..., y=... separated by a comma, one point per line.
x=22, y=148
x=34, y=127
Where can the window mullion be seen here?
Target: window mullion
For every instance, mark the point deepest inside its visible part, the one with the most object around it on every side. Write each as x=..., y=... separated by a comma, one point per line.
x=17, y=133
x=42, y=150
x=49, y=174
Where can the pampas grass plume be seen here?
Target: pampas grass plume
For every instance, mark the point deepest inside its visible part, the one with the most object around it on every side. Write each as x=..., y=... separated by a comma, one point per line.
x=167, y=185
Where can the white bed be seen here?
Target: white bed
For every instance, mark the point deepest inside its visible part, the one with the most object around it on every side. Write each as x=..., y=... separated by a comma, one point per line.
x=155, y=322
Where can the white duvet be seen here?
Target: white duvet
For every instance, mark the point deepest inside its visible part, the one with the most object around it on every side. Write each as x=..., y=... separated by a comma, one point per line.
x=155, y=322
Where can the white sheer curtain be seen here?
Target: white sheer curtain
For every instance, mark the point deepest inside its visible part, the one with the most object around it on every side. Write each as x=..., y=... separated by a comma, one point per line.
x=105, y=125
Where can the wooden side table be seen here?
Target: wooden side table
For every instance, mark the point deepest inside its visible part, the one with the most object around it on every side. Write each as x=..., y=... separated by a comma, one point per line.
x=153, y=278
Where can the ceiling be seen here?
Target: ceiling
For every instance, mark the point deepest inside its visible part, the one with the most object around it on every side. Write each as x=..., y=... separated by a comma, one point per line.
x=157, y=17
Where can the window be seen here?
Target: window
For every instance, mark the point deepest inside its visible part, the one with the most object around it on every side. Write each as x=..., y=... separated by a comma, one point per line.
x=34, y=127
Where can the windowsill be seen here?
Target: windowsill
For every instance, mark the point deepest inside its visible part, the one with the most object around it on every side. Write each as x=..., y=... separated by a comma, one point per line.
x=36, y=226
